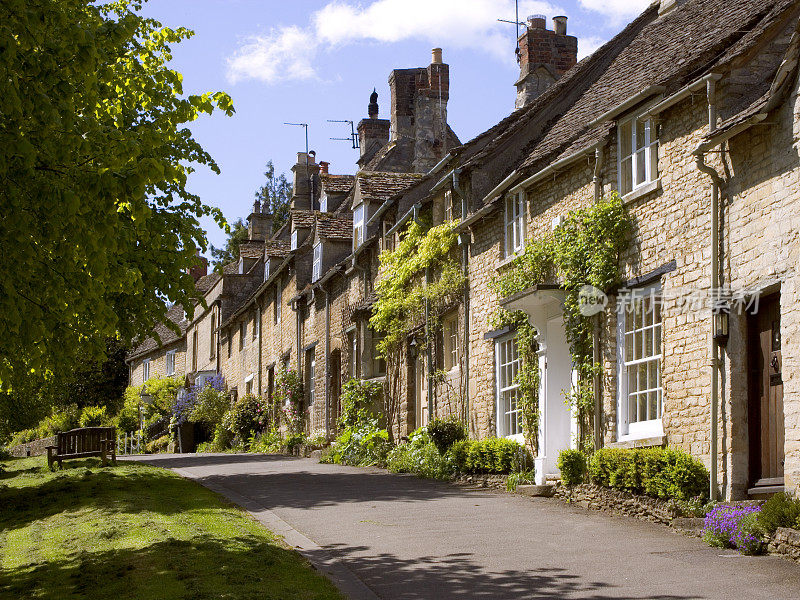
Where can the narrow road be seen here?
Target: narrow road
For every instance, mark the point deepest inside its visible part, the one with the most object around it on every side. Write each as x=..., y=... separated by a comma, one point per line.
x=399, y=537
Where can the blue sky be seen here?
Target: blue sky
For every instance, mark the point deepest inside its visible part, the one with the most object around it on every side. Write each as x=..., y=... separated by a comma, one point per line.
x=313, y=60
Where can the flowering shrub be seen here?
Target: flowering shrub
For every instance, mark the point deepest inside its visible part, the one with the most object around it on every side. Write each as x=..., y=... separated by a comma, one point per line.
x=244, y=418
x=187, y=398
x=289, y=396
x=733, y=527
x=210, y=406
x=360, y=401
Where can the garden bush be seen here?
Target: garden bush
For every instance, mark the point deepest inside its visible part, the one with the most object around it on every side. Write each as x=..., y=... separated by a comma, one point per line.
x=363, y=446
x=733, y=527
x=288, y=396
x=781, y=510
x=360, y=402
x=94, y=416
x=269, y=442
x=245, y=417
x=421, y=457
x=210, y=407
x=572, y=464
x=62, y=418
x=294, y=440
x=491, y=455
x=658, y=472
x=446, y=432
x=160, y=444
x=23, y=437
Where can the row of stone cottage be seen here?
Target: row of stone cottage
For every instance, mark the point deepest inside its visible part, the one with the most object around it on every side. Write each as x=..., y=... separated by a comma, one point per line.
x=691, y=114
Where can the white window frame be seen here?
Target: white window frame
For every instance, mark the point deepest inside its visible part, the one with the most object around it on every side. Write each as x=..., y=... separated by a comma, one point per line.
x=256, y=324
x=450, y=342
x=506, y=386
x=295, y=239
x=278, y=297
x=651, y=360
x=248, y=384
x=169, y=366
x=323, y=202
x=646, y=153
x=312, y=376
x=358, y=225
x=317, y=265
x=267, y=265
x=448, y=206
x=145, y=369
x=242, y=334
x=514, y=224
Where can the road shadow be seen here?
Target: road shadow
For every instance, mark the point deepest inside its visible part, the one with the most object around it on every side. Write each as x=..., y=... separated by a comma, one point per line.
x=458, y=576
x=307, y=489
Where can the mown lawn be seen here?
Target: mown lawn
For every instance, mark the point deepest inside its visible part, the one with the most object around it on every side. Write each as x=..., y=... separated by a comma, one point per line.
x=135, y=531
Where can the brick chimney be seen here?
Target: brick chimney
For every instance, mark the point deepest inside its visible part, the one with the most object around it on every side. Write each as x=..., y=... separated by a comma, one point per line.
x=373, y=133
x=259, y=226
x=419, y=109
x=544, y=56
x=306, y=181
x=200, y=269
x=323, y=167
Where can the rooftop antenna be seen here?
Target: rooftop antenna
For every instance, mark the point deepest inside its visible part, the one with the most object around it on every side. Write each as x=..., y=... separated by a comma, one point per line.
x=353, y=139
x=516, y=22
x=310, y=179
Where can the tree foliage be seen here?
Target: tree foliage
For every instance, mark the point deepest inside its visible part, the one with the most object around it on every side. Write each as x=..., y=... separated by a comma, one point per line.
x=98, y=227
x=275, y=196
x=230, y=251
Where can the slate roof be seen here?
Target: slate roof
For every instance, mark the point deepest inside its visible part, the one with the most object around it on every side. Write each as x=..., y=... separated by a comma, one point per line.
x=301, y=218
x=334, y=226
x=277, y=248
x=251, y=249
x=175, y=314
x=337, y=184
x=671, y=51
x=380, y=186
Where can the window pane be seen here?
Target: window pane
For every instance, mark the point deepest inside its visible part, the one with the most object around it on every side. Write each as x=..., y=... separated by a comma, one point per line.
x=641, y=167
x=642, y=401
x=652, y=375
x=626, y=175
x=625, y=139
x=648, y=342
x=652, y=405
x=647, y=311
x=632, y=406
x=637, y=351
x=657, y=338
x=628, y=346
x=641, y=134
x=632, y=380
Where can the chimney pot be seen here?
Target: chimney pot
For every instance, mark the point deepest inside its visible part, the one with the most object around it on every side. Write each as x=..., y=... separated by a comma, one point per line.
x=323, y=167
x=436, y=56
x=537, y=22
x=560, y=25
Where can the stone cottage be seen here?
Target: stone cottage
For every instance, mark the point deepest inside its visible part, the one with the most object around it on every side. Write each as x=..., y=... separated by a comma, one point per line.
x=691, y=115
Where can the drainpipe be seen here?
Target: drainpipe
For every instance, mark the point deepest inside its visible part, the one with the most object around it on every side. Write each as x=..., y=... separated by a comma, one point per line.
x=327, y=361
x=599, y=157
x=260, y=345
x=714, y=349
x=463, y=239
x=428, y=349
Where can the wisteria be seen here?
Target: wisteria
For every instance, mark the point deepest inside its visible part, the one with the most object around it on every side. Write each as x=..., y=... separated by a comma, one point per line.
x=187, y=398
x=731, y=526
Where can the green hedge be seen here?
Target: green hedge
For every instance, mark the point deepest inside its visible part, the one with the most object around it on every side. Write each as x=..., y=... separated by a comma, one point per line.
x=491, y=455
x=572, y=464
x=659, y=472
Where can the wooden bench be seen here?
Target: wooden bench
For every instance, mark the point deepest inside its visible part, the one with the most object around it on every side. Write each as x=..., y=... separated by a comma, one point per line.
x=83, y=443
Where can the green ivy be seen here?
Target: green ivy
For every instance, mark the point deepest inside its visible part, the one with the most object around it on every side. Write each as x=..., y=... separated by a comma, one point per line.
x=528, y=376
x=401, y=289
x=584, y=250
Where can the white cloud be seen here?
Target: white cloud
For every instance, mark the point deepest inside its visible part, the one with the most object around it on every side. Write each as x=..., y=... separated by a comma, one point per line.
x=288, y=52
x=617, y=10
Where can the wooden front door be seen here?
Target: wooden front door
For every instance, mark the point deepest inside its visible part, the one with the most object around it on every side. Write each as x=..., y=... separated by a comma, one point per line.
x=766, y=395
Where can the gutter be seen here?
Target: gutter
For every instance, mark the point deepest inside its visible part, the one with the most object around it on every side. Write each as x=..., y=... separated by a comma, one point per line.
x=683, y=93
x=628, y=104
x=552, y=168
x=413, y=212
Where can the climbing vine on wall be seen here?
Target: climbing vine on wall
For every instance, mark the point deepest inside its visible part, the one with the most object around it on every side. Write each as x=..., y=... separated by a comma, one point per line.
x=584, y=250
x=528, y=373
x=402, y=292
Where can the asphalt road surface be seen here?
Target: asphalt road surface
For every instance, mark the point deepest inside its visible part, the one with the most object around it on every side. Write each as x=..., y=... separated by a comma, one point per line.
x=387, y=536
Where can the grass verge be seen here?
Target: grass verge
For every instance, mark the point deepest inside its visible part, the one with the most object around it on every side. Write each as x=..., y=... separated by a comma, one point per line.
x=135, y=531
